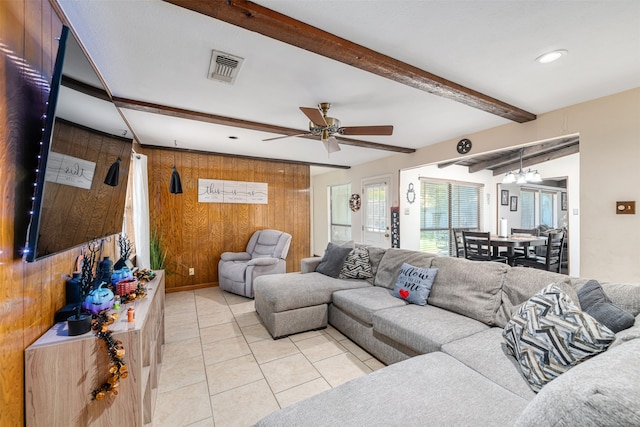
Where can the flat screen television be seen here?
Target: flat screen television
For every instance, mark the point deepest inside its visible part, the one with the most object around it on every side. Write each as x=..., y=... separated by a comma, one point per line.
x=82, y=136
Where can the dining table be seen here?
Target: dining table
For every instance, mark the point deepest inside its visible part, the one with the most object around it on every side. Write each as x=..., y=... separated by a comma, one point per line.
x=515, y=241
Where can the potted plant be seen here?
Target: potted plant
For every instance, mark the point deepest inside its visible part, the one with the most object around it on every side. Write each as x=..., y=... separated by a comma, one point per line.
x=80, y=323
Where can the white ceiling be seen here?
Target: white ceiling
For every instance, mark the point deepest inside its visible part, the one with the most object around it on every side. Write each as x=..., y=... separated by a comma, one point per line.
x=157, y=52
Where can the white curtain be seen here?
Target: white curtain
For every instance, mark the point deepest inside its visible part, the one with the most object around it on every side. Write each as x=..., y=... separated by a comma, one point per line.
x=141, y=210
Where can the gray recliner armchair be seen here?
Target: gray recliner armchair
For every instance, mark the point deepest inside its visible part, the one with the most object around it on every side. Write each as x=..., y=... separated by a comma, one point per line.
x=265, y=254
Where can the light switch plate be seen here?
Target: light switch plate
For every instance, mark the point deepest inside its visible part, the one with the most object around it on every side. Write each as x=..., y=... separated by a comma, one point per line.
x=626, y=207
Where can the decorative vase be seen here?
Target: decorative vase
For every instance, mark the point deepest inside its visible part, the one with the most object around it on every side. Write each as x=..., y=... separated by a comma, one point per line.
x=72, y=289
x=79, y=326
x=106, y=269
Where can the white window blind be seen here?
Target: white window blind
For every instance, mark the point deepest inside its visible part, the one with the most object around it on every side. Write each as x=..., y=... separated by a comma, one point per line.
x=445, y=205
x=546, y=209
x=527, y=209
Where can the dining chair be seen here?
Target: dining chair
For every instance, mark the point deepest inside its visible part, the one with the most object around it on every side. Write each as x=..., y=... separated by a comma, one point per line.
x=477, y=247
x=552, y=260
x=459, y=242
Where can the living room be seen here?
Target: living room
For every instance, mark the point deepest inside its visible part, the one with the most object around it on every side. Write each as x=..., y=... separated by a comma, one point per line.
x=609, y=153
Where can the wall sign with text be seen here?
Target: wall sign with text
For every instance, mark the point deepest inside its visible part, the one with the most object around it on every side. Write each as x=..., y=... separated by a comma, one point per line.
x=69, y=170
x=221, y=191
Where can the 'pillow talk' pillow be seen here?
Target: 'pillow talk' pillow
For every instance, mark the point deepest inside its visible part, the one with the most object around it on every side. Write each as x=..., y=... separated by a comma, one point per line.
x=414, y=283
x=331, y=262
x=357, y=265
x=548, y=335
x=595, y=301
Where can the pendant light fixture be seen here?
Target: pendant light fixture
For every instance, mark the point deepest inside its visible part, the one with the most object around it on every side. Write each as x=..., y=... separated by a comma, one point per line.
x=113, y=174
x=175, y=187
x=521, y=177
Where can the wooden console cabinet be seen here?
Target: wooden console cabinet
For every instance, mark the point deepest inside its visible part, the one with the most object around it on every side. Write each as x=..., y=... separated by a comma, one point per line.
x=62, y=371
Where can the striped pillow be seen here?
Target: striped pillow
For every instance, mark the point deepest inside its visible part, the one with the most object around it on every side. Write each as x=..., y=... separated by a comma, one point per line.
x=549, y=335
x=357, y=265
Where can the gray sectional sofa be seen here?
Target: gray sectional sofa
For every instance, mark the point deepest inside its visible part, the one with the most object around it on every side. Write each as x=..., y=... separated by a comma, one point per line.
x=448, y=363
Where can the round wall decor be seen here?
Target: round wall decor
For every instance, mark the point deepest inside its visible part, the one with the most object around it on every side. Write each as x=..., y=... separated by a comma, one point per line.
x=354, y=202
x=411, y=193
x=464, y=146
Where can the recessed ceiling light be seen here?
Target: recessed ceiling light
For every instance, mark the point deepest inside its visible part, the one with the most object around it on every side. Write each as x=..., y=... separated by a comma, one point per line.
x=551, y=56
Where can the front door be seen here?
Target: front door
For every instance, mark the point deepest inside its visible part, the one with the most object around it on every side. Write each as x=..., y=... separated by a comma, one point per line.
x=376, y=214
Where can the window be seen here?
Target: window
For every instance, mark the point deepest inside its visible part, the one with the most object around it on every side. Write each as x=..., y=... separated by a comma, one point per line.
x=340, y=227
x=546, y=209
x=527, y=209
x=445, y=205
x=537, y=207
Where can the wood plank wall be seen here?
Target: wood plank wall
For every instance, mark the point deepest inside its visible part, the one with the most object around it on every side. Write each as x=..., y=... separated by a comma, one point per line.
x=195, y=234
x=30, y=294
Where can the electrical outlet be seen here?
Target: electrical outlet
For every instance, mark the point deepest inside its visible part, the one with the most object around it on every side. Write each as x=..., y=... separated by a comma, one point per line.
x=192, y=271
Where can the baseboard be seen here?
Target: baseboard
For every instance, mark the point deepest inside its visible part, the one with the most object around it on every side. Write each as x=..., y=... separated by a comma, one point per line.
x=192, y=287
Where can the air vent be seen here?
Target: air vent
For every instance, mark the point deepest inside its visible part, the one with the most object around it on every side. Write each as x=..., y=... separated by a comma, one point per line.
x=224, y=67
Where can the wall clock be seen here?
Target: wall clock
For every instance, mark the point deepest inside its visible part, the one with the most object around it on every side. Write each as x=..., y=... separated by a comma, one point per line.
x=464, y=146
x=354, y=202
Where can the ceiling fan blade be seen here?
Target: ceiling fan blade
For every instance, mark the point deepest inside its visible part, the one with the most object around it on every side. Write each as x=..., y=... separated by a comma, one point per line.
x=314, y=115
x=331, y=145
x=366, y=130
x=286, y=136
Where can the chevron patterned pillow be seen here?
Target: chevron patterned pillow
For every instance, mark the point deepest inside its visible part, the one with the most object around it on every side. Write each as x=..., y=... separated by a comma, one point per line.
x=549, y=335
x=357, y=265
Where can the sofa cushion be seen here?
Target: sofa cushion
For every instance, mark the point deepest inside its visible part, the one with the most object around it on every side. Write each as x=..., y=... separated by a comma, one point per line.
x=375, y=255
x=362, y=303
x=522, y=283
x=628, y=334
x=391, y=263
x=281, y=292
x=624, y=295
x=433, y=389
x=602, y=391
x=333, y=259
x=486, y=353
x=414, y=283
x=549, y=335
x=356, y=265
x=470, y=288
x=423, y=329
x=596, y=303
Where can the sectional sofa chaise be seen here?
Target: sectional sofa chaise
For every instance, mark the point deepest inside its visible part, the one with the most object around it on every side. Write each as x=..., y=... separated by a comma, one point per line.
x=449, y=362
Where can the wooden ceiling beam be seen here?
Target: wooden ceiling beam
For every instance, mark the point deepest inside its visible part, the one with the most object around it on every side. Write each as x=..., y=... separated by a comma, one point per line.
x=259, y=19
x=148, y=107
x=540, y=158
x=513, y=157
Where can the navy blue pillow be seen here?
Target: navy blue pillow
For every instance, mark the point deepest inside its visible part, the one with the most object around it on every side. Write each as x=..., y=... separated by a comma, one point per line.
x=334, y=256
x=414, y=283
x=595, y=302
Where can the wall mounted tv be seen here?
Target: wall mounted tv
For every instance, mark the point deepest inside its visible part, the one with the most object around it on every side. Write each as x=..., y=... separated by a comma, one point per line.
x=83, y=135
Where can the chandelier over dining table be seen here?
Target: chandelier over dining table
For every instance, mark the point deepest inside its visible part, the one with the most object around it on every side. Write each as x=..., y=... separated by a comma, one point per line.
x=521, y=177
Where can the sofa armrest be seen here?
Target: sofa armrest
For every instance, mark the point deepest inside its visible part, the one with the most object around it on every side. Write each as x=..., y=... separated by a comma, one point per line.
x=263, y=261
x=235, y=256
x=308, y=265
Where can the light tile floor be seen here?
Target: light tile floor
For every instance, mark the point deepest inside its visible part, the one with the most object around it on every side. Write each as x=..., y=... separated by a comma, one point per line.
x=221, y=367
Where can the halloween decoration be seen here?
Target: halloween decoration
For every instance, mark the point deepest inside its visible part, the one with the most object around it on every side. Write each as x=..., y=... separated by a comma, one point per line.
x=99, y=299
x=118, y=368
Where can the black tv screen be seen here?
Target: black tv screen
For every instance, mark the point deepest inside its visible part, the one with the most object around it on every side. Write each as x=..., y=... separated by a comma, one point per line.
x=67, y=152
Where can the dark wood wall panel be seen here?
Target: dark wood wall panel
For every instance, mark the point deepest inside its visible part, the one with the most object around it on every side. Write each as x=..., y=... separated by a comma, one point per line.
x=195, y=234
x=30, y=294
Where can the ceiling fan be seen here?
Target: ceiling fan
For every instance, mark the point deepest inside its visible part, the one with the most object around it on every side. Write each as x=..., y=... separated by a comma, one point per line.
x=326, y=127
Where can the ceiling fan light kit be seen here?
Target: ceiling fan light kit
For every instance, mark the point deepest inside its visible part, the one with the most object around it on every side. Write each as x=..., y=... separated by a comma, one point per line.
x=320, y=124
